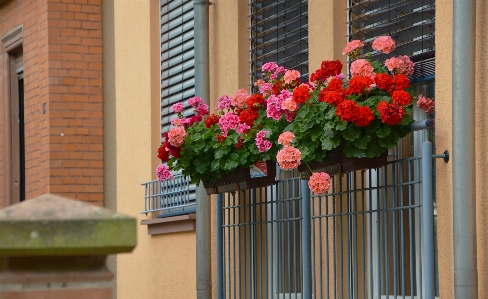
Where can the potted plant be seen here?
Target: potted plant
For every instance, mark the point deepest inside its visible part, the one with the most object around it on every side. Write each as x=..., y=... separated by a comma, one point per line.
x=330, y=124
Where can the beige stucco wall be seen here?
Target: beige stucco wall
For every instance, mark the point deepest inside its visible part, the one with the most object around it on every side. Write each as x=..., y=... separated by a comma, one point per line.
x=161, y=266
x=444, y=182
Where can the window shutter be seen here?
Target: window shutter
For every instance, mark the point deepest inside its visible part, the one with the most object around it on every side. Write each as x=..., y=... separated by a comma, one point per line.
x=177, y=85
x=411, y=23
x=279, y=33
x=177, y=58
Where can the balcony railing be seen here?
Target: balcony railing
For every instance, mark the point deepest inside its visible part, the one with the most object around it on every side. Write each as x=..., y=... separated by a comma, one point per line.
x=171, y=197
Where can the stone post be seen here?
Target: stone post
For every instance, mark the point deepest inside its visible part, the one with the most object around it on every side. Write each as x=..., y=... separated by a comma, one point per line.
x=54, y=247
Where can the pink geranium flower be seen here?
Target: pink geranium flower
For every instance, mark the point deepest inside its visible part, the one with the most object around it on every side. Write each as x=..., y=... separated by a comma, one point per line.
x=400, y=65
x=289, y=104
x=261, y=142
x=352, y=47
x=178, y=107
x=286, y=138
x=240, y=98
x=362, y=67
x=163, y=173
x=426, y=104
x=319, y=182
x=291, y=76
x=289, y=157
x=384, y=44
x=176, y=136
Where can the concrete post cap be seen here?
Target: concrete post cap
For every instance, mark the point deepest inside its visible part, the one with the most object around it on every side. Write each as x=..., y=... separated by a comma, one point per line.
x=54, y=225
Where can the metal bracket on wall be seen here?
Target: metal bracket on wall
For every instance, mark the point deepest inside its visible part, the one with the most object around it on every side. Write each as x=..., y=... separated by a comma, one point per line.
x=444, y=156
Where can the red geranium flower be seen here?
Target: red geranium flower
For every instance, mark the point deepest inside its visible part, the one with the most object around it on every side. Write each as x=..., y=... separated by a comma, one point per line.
x=335, y=85
x=331, y=68
x=327, y=69
x=365, y=116
x=301, y=94
x=173, y=150
x=163, y=154
x=211, y=120
x=219, y=138
x=277, y=87
x=239, y=143
x=347, y=110
x=401, y=81
x=384, y=81
x=401, y=97
x=358, y=84
x=331, y=97
x=255, y=101
x=248, y=116
x=390, y=114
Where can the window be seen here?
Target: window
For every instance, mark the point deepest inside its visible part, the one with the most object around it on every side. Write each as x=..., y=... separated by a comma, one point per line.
x=13, y=123
x=279, y=33
x=177, y=85
x=410, y=23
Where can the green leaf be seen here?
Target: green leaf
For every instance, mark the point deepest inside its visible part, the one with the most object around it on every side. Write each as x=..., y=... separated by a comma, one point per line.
x=389, y=141
x=230, y=165
x=352, y=132
x=201, y=165
x=350, y=150
x=383, y=131
x=341, y=125
x=362, y=142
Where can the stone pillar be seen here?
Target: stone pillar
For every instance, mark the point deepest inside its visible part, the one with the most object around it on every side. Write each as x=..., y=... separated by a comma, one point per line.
x=54, y=247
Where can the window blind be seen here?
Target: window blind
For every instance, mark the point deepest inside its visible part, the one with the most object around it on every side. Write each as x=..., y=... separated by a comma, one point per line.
x=177, y=58
x=177, y=85
x=411, y=23
x=279, y=33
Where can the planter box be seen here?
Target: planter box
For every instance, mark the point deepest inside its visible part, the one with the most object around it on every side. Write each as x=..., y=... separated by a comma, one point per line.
x=262, y=175
x=337, y=162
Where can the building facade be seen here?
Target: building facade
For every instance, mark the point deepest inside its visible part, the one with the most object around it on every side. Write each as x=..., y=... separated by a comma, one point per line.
x=93, y=81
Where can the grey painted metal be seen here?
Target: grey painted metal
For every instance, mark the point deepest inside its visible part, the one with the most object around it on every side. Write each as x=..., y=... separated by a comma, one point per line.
x=463, y=149
x=220, y=245
x=306, y=240
x=202, y=89
x=422, y=124
x=365, y=237
x=428, y=220
x=171, y=197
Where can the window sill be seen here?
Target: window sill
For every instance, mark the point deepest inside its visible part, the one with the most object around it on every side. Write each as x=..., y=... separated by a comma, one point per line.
x=182, y=223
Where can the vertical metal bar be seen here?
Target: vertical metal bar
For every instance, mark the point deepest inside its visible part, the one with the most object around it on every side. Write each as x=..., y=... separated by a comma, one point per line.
x=203, y=206
x=411, y=218
x=349, y=237
x=220, y=247
x=307, y=259
x=370, y=233
x=428, y=220
x=463, y=147
x=402, y=229
x=394, y=229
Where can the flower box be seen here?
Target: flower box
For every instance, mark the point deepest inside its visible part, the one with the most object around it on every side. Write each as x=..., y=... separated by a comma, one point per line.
x=337, y=162
x=261, y=174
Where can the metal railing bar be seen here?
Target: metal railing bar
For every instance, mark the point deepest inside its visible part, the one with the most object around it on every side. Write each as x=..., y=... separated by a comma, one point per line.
x=394, y=231
x=368, y=212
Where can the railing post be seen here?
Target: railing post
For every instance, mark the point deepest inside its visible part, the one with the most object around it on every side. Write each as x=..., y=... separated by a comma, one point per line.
x=220, y=247
x=306, y=240
x=428, y=220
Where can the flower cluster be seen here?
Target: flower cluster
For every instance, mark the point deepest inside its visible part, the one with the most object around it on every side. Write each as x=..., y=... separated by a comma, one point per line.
x=289, y=157
x=319, y=182
x=367, y=113
x=426, y=104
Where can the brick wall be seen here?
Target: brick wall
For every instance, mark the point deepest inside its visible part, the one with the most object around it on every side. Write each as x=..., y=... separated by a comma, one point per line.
x=63, y=95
